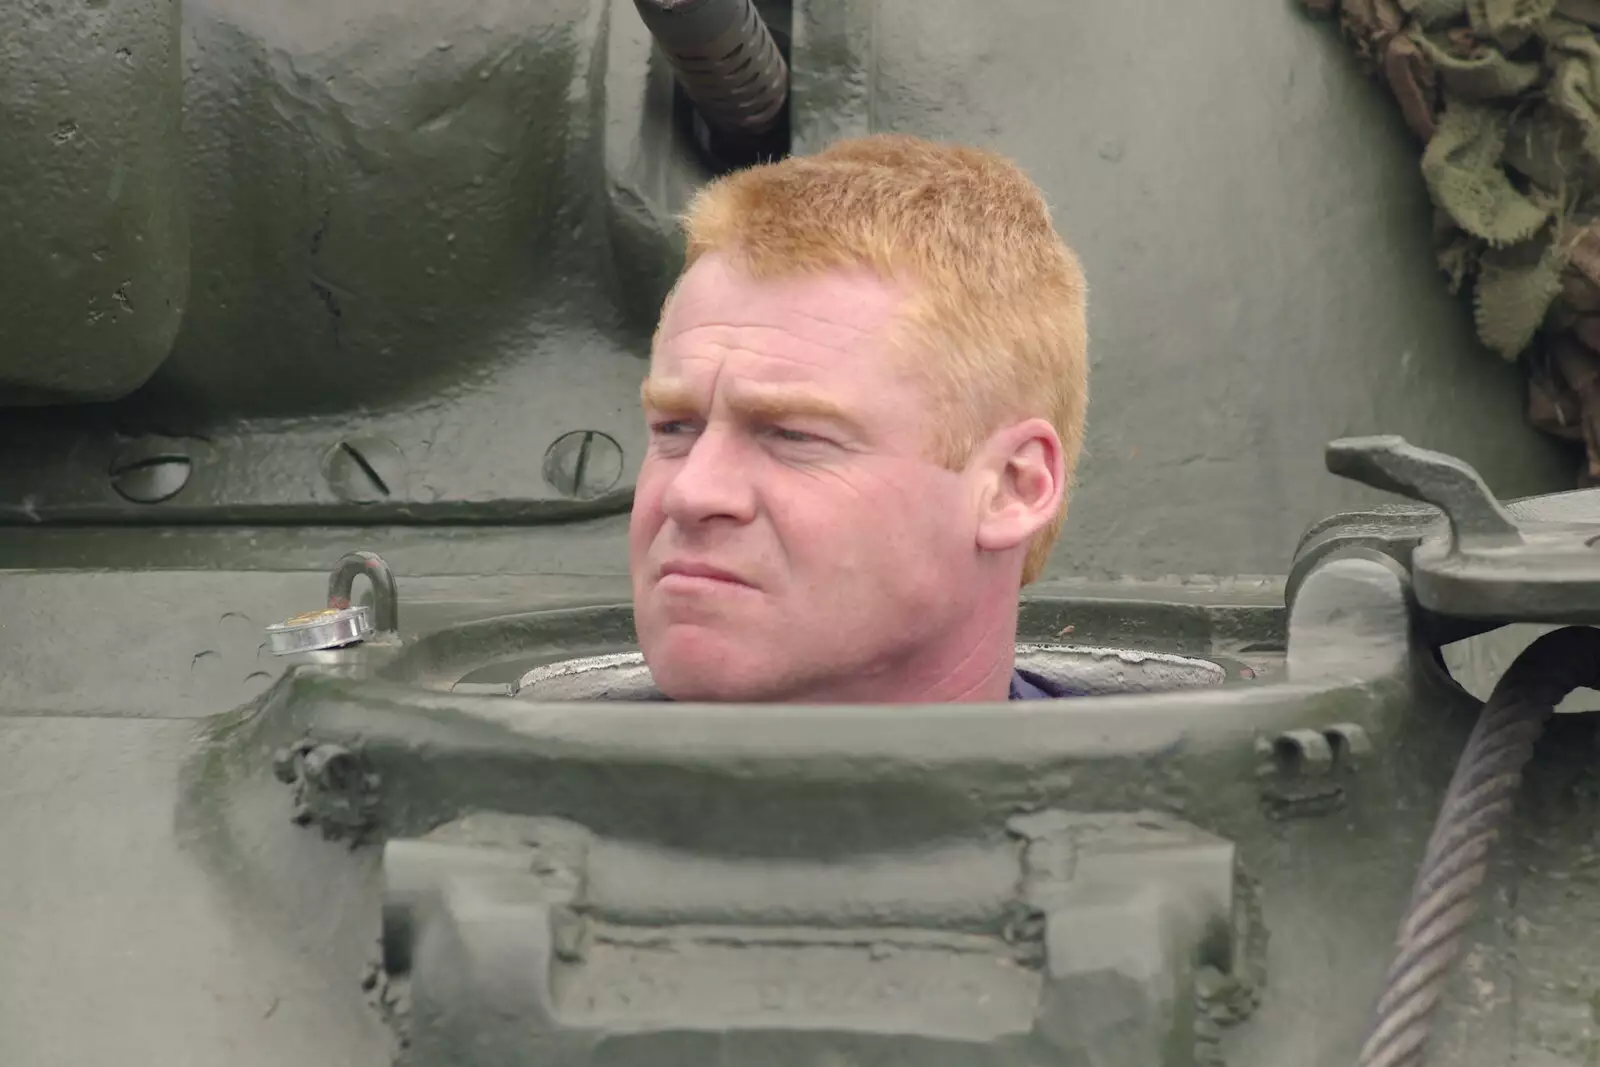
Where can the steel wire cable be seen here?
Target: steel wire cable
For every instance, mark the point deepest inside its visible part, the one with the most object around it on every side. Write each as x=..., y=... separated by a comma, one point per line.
x=1456, y=862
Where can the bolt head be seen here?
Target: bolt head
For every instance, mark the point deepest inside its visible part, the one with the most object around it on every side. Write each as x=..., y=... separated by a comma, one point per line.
x=365, y=470
x=150, y=471
x=583, y=464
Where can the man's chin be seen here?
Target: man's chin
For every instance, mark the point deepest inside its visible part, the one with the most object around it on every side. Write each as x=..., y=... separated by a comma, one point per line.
x=697, y=664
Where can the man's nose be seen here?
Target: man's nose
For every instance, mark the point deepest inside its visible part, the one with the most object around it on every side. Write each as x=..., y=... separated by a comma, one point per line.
x=712, y=481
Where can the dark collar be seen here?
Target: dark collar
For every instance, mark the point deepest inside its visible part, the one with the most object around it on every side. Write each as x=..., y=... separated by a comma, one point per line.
x=1032, y=687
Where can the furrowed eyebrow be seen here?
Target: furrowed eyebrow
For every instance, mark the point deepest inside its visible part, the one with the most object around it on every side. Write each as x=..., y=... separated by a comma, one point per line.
x=781, y=404
x=668, y=397
x=772, y=404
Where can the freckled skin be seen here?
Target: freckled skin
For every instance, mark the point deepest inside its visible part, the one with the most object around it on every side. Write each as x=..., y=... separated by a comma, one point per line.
x=863, y=575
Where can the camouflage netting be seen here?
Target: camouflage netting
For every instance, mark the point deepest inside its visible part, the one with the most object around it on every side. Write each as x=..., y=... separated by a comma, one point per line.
x=1506, y=96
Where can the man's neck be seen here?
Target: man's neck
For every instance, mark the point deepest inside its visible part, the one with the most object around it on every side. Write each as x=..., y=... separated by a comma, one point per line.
x=973, y=665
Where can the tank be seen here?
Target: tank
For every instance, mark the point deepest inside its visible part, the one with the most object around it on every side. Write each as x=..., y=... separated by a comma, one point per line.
x=321, y=328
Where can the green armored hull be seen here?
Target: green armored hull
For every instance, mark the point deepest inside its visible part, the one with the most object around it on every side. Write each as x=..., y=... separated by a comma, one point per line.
x=279, y=286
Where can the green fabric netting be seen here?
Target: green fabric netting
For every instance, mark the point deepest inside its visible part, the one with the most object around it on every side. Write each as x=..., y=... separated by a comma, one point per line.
x=1515, y=289
x=1513, y=165
x=1544, y=146
x=1574, y=85
x=1462, y=169
x=1585, y=258
x=1458, y=260
x=1509, y=22
x=1585, y=11
x=1488, y=75
x=1369, y=24
x=1433, y=12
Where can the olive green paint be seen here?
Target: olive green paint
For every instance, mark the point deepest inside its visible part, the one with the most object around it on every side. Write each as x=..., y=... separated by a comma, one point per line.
x=94, y=200
x=448, y=233
x=410, y=252
x=676, y=797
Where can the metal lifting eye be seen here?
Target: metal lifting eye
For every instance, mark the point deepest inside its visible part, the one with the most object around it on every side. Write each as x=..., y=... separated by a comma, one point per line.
x=340, y=624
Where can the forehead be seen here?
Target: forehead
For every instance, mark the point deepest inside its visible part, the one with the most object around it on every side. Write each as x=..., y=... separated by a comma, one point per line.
x=799, y=327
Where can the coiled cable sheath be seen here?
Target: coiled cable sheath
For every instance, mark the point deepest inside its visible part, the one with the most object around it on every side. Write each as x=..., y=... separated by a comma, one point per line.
x=725, y=58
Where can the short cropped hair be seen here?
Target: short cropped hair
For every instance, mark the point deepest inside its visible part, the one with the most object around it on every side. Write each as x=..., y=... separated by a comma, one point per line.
x=996, y=317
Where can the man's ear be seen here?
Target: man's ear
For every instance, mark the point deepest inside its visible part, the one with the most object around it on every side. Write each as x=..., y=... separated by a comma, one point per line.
x=1023, y=478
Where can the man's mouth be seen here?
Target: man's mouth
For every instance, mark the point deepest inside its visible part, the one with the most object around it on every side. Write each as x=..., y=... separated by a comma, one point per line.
x=688, y=570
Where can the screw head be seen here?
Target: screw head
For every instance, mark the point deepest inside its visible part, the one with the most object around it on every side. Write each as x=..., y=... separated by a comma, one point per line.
x=148, y=472
x=364, y=470
x=583, y=464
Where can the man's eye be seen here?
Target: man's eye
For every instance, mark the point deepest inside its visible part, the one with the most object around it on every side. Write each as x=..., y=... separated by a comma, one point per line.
x=785, y=434
x=669, y=427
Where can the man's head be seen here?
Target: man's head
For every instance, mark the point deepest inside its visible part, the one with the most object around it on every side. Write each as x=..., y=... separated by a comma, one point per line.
x=866, y=400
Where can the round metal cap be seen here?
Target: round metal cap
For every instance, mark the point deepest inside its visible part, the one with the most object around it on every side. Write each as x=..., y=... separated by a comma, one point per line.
x=327, y=628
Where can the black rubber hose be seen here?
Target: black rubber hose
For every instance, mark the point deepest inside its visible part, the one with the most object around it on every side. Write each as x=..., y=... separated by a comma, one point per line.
x=725, y=58
x=1480, y=796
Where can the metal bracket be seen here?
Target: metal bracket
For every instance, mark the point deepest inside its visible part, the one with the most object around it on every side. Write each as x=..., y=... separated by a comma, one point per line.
x=535, y=937
x=1304, y=773
x=331, y=788
x=1533, y=561
x=1386, y=461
